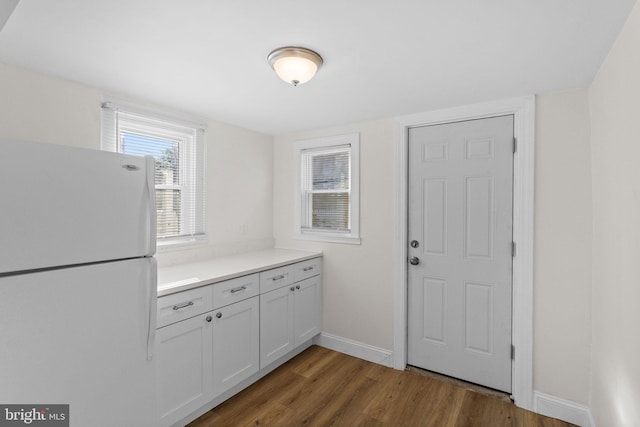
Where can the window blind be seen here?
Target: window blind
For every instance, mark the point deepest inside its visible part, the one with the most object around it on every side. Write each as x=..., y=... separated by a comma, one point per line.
x=326, y=188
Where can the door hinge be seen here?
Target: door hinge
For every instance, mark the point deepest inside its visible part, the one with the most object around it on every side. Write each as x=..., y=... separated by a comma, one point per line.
x=513, y=249
x=515, y=144
x=513, y=352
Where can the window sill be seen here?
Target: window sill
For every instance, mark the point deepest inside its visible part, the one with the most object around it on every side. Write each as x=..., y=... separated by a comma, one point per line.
x=328, y=237
x=180, y=243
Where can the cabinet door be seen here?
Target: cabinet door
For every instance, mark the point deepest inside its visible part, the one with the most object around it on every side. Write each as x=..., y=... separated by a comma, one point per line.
x=307, y=307
x=276, y=324
x=184, y=363
x=236, y=341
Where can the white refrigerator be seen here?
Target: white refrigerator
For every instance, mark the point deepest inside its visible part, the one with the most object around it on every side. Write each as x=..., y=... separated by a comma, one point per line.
x=78, y=283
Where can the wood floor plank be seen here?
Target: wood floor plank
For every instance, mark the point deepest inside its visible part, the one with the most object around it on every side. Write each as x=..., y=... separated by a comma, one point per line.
x=390, y=388
x=477, y=409
x=324, y=397
x=438, y=405
x=313, y=360
x=255, y=399
x=347, y=407
x=321, y=387
x=208, y=419
x=274, y=415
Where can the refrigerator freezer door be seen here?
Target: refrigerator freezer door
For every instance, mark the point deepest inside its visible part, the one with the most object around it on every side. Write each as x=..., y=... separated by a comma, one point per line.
x=79, y=336
x=66, y=205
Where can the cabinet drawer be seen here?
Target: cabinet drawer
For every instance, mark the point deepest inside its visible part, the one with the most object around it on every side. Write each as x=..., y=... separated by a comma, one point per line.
x=183, y=305
x=305, y=269
x=234, y=290
x=276, y=278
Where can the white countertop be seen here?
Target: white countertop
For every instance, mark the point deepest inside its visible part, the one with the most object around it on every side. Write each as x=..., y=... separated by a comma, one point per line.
x=181, y=277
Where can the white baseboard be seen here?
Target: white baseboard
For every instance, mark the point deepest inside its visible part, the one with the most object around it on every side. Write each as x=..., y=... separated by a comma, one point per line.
x=565, y=410
x=357, y=349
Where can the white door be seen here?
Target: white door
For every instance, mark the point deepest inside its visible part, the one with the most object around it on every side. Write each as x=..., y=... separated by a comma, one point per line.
x=460, y=254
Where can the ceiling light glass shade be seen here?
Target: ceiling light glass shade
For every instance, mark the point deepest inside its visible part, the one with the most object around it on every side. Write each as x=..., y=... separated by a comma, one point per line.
x=295, y=65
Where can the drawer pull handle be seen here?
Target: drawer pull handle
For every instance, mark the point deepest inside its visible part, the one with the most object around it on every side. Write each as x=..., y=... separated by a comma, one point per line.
x=298, y=287
x=307, y=269
x=280, y=277
x=238, y=289
x=185, y=305
x=292, y=289
x=218, y=315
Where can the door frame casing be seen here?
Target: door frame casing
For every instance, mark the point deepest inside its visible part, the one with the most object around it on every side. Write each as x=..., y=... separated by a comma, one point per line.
x=523, y=110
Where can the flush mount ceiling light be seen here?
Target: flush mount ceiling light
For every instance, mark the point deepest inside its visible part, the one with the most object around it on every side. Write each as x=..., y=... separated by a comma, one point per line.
x=295, y=65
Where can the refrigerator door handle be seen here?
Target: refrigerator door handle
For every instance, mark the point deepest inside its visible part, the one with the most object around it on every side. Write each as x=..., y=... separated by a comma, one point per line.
x=151, y=190
x=153, y=300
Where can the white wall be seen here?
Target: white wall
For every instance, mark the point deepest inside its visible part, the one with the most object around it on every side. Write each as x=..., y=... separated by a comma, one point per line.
x=239, y=162
x=562, y=258
x=615, y=124
x=35, y=107
x=357, y=279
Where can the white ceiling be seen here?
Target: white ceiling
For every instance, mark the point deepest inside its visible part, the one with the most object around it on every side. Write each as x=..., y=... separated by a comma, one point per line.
x=382, y=57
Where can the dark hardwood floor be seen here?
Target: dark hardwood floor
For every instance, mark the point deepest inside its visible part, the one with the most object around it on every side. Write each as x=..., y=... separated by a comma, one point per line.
x=321, y=387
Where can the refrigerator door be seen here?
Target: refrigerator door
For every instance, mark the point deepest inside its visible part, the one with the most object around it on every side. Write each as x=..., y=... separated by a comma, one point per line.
x=80, y=336
x=66, y=205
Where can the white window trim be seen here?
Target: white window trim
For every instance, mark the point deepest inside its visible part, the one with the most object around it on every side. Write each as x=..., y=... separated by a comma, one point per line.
x=109, y=143
x=353, y=237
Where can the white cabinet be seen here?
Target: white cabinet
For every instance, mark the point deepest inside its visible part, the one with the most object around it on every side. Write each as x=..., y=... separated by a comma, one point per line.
x=235, y=344
x=307, y=310
x=305, y=269
x=185, y=366
x=276, y=278
x=203, y=353
x=183, y=305
x=212, y=338
x=276, y=324
x=291, y=314
x=234, y=290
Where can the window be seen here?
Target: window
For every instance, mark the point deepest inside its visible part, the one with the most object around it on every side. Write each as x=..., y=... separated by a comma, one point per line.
x=178, y=149
x=327, y=189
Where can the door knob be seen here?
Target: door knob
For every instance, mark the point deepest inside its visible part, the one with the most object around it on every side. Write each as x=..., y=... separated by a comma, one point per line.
x=414, y=260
